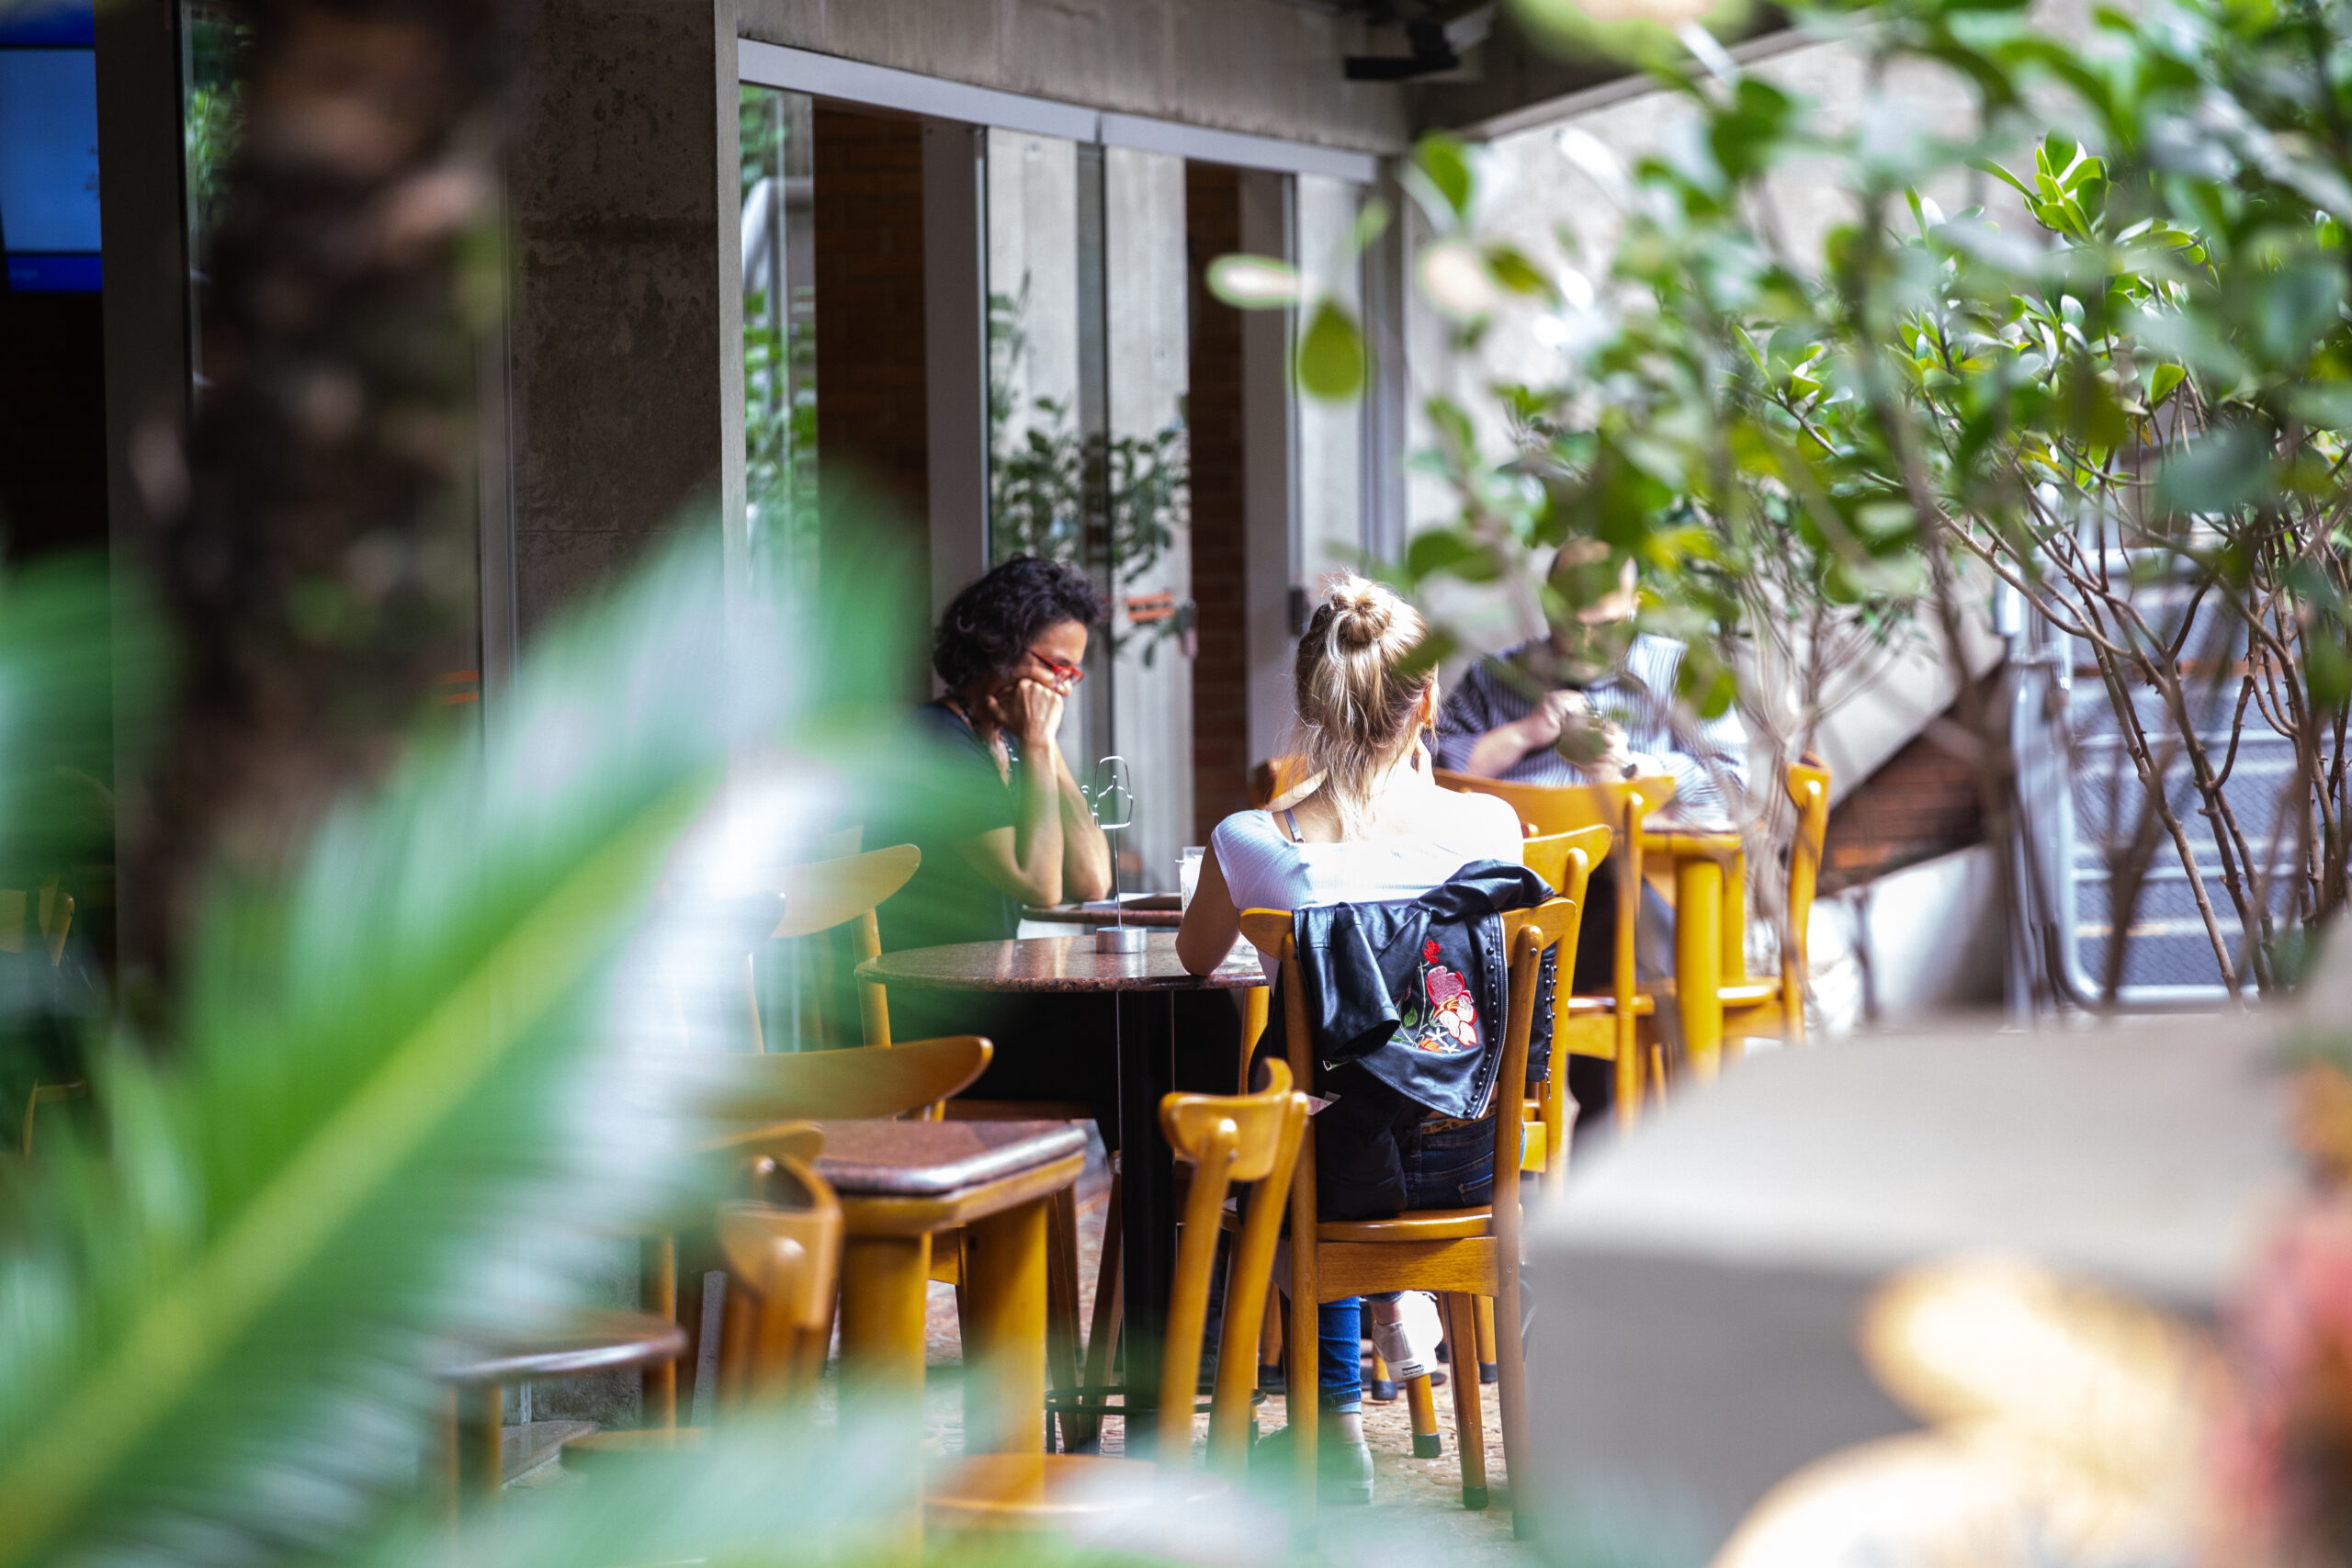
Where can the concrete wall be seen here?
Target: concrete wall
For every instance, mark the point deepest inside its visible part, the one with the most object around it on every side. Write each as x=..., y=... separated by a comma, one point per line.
x=1261, y=66
x=1918, y=943
x=613, y=174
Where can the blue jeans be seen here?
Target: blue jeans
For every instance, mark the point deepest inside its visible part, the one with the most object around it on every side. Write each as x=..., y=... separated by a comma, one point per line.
x=1448, y=1165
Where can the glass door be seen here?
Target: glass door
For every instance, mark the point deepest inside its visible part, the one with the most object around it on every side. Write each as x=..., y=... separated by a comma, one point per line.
x=1087, y=451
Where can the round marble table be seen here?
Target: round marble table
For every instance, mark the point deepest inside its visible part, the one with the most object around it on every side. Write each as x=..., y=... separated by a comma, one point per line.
x=1145, y=984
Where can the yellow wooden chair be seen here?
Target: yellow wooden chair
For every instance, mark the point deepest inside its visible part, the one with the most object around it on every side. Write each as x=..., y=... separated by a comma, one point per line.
x=782, y=1257
x=1228, y=1140
x=1566, y=861
x=1603, y=1024
x=823, y=895
x=1758, y=1005
x=751, y=1093
x=762, y=1101
x=1462, y=1253
x=54, y=909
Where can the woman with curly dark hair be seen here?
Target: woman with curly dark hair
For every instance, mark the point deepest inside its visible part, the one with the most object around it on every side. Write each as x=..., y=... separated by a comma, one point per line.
x=988, y=798
x=992, y=800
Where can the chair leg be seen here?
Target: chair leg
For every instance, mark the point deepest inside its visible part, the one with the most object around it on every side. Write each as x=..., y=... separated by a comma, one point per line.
x=1510, y=1393
x=1382, y=1389
x=1420, y=1400
x=1270, y=1344
x=488, y=1439
x=1304, y=1399
x=659, y=1385
x=1485, y=1310
x=1083, y=1434
x=450, y=1456
x=1061, y=1297
x=1469, y=1425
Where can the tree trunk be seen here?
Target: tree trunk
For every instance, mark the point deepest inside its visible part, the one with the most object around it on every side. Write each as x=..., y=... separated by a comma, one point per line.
x=322, y=577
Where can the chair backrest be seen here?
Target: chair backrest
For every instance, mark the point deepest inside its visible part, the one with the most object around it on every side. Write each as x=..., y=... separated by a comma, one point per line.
x=1549, y=809
x=1809, y=787
x=824, y=893
x=1229, y=1139
x=851, y=1084
x=755, y=1147
x=1563, y=808
x=1567, y=860
x=783, y=1257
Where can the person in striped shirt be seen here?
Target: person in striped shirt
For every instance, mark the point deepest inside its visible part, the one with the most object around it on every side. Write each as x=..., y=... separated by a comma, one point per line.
x=1593, y=701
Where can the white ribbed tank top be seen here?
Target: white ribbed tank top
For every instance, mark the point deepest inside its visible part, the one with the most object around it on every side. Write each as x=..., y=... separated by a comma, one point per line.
x=1264, y=870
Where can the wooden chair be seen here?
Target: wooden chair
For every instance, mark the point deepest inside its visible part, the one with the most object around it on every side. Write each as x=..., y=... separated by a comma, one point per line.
x=749, y=1092
x=55, y=919
x=1229, y=1140
x=1566, y=861
x=782, y=1256
x=1462, y=1254
x=1767, y=1005
x=763, y=1100
x=826, y=893
x=1604, y=1024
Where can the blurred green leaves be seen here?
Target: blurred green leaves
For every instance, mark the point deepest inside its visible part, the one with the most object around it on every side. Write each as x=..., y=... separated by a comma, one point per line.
x=402, y=1110
x=1332, y=360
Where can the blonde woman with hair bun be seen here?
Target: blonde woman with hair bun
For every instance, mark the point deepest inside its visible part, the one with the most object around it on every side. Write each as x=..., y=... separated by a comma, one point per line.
x=1365, y=822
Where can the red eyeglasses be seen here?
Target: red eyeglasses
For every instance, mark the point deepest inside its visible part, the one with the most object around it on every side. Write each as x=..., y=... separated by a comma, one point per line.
x=1070, y=673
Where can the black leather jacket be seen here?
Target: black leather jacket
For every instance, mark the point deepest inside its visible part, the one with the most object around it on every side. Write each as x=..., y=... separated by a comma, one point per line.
x=1406, y=1000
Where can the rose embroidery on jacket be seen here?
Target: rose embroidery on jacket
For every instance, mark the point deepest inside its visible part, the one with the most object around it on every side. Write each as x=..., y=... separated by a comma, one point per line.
x=1442, y=1018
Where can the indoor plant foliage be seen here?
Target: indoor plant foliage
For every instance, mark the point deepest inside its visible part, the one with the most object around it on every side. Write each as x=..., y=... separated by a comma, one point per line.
x=1069, y=496
x=2119, y=388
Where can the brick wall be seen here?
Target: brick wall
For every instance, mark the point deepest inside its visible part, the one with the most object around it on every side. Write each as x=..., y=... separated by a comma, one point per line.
x=1921, y=803
x=1221, y=757
x=872, y=425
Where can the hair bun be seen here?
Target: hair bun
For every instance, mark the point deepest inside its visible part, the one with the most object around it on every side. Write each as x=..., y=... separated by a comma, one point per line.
x=1363, y=612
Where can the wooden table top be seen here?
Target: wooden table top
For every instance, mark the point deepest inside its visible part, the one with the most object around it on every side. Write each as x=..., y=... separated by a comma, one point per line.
x=1150, y=911
x=1058, y=964
x=932, y=1158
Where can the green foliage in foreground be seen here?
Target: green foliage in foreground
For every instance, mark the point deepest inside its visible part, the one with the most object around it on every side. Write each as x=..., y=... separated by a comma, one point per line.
x=400, y=1112
x=415, y=1102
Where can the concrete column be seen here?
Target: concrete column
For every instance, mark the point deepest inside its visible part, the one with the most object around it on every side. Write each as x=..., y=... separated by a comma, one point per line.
x=143, y=232
x=1269, y=493
x=621, y=316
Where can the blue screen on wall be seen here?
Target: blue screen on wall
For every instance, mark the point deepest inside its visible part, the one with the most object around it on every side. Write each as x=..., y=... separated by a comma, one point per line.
x=49, y=147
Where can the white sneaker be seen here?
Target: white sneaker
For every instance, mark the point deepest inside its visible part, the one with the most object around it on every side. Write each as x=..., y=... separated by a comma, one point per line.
x=1409, y=1345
